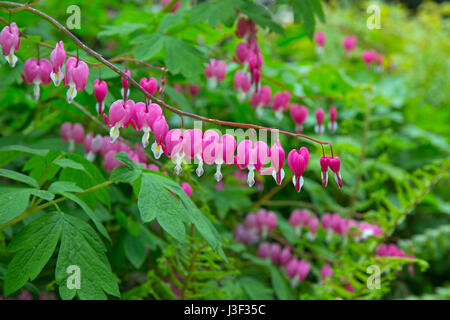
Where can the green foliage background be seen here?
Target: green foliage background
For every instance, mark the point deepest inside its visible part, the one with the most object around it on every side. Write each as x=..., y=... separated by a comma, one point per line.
x=393, y=139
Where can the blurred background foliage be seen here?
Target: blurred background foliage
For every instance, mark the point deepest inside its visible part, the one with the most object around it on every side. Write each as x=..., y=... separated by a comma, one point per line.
x=393, y=135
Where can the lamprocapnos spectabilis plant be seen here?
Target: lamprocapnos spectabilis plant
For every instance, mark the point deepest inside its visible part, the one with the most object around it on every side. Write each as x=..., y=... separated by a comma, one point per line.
x=211, y=190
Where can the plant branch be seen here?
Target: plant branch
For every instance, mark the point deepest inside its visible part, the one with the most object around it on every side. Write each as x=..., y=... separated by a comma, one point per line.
x=107, y=63
x=34, y=209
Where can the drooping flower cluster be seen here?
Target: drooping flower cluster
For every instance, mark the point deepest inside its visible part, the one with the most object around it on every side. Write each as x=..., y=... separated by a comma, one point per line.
x=248, y=52
x=72, y=133
x=37, y=73
x=391, y=250
x=255, y=225
x=215, y=72
x=303, y=219
x=334, y=163
x=10, y=42
x=335, y=224
x=296, y=270
x=371, y=57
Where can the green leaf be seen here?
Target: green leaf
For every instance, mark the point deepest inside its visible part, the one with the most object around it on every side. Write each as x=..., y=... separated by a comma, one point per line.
x=14, y=175
x=150, y=47
x=82, y=247
x=255, y=289
x=180, y=57
x=123, y=29
x=13, y=202
x=64, y=186
x=214, y=12
x=9, y=153
x=67, y=163
x=42, y=194
x=317, y=6
x=155, y=201
x=135, y=251
x=34, y=245
x=194, y=215
x=89, y=213
x=279, y=284
x=171, y=20
x=90, y=177
x=303, y=11
x=124, y=174
x=259, y=14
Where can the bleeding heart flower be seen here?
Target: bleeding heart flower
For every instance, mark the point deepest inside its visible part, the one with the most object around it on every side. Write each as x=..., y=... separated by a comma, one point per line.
x=260, y=99
x=143, y=118
x=10, y=42
x=241, y=85
x=125, y=91
x=100, y=92
x=159, y=128
x=326, y=272
x=335, y=166
x=349, y=43
x=369, y=56
x=251, y=156
x=215, y=72
x=150, y=85
x=57, y=58
x=92, y=145
x=187, y=188
x=77, y=72
x=37, y=73
x=303, y=269
x=277, y=158
x=324, y=164
x=193, y=147
x=299, y=115
x=297, y=161
x=120, y=115
x=242, y=51
x=332, y=126
x=320, y=38
x=320, y=115
x=280, y=103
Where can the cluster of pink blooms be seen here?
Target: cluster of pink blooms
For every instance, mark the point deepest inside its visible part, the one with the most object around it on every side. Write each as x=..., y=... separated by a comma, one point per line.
x=192, y=89
x=101, y=145
x=303, y=219
x=391, y=250
x=215, y=72
x=43, y=71
x=334, y=223
x=300, y=113
x=371, y=57
x=10, y=42
x=248, y=53
x=256, y=224
x=296, y=270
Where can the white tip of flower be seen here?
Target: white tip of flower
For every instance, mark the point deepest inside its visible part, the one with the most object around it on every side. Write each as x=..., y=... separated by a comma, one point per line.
x=279, y=114
x=57, y=77
x=71, y=93
x=337, y=178
x=114, y=134
x=241, y=96
x=37, y=91
x=275, y=176
x=332, y=126
x=157, y=150
x=212, y=83
x=300, y=183
x=145, y=138
x=11, y=59
x=259, y=112
x=199, y=171
x=319, y=129
x=326, y=177
x=251, y=178
x=90, y=156
x=218, y=175
x=177, y=168
x=311, y=236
